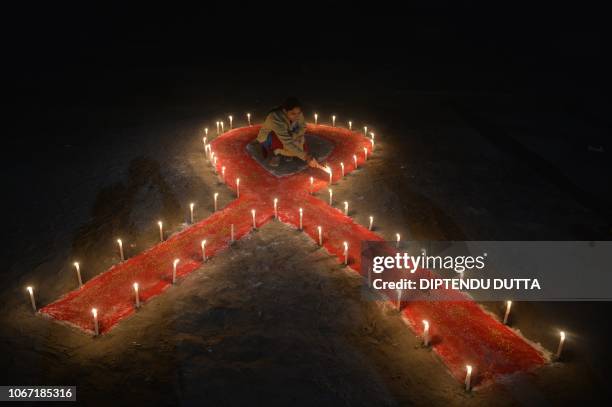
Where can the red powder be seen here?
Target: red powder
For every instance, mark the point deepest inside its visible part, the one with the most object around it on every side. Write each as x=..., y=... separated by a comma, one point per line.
x=462, y=333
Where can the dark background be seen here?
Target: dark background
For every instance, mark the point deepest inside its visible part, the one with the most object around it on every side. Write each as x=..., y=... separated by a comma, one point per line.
x=95, y=56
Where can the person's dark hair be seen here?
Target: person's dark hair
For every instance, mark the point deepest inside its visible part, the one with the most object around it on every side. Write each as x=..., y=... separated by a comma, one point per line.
x=291, y=103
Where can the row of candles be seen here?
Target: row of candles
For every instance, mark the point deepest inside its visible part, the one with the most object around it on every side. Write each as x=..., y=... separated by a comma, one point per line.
x=469, y=368
x=220, y=127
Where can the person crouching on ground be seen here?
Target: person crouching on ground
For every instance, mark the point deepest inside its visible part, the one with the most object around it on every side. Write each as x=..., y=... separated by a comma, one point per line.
x=282, y=133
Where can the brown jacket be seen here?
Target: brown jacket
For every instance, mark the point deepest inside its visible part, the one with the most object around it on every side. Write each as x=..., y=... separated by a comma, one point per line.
x=290, y=134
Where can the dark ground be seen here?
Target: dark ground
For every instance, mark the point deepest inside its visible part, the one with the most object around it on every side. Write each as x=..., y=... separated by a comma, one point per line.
x=482, y=137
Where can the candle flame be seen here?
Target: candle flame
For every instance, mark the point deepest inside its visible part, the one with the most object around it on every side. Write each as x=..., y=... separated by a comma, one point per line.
x=469, y=369
x=94, y=312
x=562, y=334
x=30, y=290
x=176, y=261
x=426, y=325
x=135, y=286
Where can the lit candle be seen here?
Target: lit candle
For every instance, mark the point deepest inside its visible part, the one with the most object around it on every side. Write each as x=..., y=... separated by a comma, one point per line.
x=223, y=173
x=191, y=205
x=372, y=140
x=203, y=245
x=342, y=169
x=331, y=195
x=208, y=151
x=215, y=196
x=561, y=341
x=120, y=243
x=329, y=170
x=346, y=207
x=31, y=291
x=333, y=121
x=249, y=118
x=425, y=332
x=365, y=154
x=311, y=184
x=136, y=295
x=231, y=232
x=365, y=131
x=174, y=264
x=276, y=208
x=222, y=126
x=371, y=222
x=211, y=158
x=231, y=120
x=397, y=236
x=78, y=271
x=95, y=317
x=399, y=300
x=301, y=215
x=350, y=125
x=320, y=229
x=161, y=230
x=253, y=216
x=217, y=128
x=316, y=118
x=238, y=187
x=468, y=378
x=345, y=253
x=355, y=160
x=508, y=305
x=205, y=133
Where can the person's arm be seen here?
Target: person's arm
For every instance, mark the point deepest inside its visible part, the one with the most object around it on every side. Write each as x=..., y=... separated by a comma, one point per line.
x=290, y=149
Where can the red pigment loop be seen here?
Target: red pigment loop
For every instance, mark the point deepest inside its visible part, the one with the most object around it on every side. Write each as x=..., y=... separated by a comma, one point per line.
x=461, y=331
